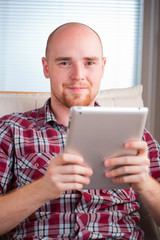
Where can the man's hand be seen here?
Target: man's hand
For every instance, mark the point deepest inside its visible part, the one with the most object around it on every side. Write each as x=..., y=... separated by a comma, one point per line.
x=135, y=168
x=65, y=172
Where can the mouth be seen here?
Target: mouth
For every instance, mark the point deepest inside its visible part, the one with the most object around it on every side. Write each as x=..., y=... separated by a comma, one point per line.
x=77, y=89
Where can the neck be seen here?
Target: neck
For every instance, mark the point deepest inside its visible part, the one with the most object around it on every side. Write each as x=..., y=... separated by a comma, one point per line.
x=60, y=112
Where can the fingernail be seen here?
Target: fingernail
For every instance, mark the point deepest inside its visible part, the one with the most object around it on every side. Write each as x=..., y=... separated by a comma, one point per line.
x=90, y=171
x=107, y=174
x=88, y=181
x=127, y=145
x=106, y=163
x=81, y=160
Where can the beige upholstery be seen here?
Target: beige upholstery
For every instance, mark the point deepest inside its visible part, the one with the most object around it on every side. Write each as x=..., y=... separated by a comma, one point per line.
x=21, y=102
x=129, y=97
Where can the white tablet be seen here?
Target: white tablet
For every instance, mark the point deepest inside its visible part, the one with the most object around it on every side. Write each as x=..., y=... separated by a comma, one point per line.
x=97, y=133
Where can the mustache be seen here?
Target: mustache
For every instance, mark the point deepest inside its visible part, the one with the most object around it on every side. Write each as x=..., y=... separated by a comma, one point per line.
x=75, y=85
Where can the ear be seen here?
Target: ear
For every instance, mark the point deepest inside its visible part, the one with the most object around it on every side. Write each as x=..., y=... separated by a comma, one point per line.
x=103, y=64
x=45, y=67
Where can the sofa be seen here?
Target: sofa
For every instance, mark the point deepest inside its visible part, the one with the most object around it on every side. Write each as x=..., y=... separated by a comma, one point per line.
x=127, y=97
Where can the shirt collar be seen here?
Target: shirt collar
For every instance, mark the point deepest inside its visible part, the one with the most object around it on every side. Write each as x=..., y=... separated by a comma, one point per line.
x=49, y=116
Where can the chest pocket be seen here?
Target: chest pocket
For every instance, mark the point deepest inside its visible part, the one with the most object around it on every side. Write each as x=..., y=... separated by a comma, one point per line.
x=31, y=167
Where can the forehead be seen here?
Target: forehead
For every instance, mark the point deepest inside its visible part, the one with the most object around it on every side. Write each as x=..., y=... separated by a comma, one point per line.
x=75, y=40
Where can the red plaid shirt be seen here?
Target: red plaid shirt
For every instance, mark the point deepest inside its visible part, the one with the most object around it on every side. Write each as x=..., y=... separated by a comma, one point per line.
x=27, y=143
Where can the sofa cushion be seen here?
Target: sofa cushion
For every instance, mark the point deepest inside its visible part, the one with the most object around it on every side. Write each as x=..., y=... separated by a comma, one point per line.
x=125, y=97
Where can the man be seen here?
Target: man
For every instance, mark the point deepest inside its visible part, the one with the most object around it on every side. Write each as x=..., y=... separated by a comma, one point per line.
x=41, y=185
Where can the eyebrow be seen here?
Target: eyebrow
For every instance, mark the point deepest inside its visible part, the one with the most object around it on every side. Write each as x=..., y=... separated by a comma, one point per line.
x=59, y=59
x=91, y=58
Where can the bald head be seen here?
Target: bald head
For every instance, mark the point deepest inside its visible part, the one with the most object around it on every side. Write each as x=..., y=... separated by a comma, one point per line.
x=70, y=27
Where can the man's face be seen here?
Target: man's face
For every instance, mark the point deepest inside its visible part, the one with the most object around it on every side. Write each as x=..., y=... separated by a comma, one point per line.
x=75, y=66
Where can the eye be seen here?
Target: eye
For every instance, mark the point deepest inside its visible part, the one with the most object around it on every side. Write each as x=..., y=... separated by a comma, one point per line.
x=89, y=63
x=64, y=63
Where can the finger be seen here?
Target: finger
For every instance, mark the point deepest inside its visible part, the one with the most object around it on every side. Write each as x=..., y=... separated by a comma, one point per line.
x=130, y=179
x=73, y=179
x=71, y=186
x=74, y=169
x=125, y=170
x=126, y=160
x=67, y=158
x=140, y=146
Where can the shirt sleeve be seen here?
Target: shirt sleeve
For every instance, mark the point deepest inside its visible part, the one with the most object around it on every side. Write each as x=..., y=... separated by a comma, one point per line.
x=153, y=155
x=6, y=156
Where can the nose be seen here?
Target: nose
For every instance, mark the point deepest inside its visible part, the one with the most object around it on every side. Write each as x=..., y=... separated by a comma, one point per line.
x=77, y=72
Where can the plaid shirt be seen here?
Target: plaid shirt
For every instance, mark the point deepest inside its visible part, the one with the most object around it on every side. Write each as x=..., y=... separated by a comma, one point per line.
x=27, y=143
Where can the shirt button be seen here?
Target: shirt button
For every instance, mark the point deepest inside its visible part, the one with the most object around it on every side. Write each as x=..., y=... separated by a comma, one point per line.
x=104, y=191
x=36, y=165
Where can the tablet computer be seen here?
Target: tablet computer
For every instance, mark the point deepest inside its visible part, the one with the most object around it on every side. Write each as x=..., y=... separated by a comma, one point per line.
x=97, y=133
